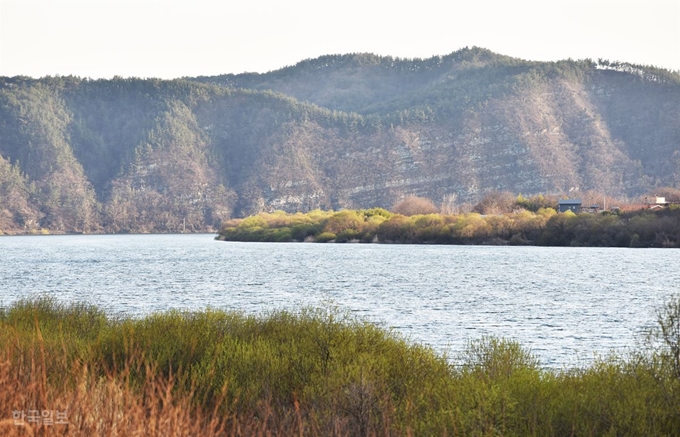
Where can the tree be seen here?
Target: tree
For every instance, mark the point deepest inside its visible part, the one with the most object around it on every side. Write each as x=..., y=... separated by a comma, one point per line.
x=665, y=335
x=343, y=221
x=413, y=205
x=496, y=202
x=671, y=194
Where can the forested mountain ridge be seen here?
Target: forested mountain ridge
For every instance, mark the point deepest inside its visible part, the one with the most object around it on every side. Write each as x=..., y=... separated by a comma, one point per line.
x=345, y=131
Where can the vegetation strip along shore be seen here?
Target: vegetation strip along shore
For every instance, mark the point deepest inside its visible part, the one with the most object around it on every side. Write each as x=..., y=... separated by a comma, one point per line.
x=544, y=227
x=314, y=372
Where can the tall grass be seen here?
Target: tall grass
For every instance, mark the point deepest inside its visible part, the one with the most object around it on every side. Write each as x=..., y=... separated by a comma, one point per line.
x=315, y=372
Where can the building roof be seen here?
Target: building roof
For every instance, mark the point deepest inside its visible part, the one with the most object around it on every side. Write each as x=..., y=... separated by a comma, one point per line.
x=570, y=201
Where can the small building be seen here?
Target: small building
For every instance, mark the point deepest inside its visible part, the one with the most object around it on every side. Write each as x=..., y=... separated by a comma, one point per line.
x=573, y=205
x=656, y=202
x=591, y=209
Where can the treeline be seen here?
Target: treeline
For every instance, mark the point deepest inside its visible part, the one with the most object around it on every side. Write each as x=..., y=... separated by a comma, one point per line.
x=545, y=227
x=317, y=372
x=410, y=90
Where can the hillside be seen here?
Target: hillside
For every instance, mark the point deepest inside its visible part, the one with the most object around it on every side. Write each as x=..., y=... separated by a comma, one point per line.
x=342, y=131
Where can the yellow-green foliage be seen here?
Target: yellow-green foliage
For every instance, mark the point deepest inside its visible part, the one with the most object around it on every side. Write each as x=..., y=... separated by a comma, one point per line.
x=343, y=221
x=379, y=224
x=543, y=227
x=329, y=369
x=325, y=237
x=643, y=228
x=346, y=225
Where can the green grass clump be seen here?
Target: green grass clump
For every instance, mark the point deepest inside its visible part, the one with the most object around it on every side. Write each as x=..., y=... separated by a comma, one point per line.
x=333, y=372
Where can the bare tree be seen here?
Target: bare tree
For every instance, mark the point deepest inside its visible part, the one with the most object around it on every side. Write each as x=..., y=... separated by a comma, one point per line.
x=496, y=202
x=413, y=205
x=667, y=333
x=449, y=205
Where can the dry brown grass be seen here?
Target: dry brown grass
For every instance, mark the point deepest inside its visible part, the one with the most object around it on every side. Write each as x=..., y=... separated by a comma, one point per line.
x=96, y=405
x=113, y=405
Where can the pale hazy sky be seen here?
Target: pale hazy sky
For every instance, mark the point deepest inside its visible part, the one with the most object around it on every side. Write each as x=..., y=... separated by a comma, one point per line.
x=103, y=38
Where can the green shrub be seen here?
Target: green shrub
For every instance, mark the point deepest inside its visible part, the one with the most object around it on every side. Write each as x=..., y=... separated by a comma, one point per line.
x=544, y=227
x=325, y=237
x=344, y=221
x=327, y=367
x=377, y=212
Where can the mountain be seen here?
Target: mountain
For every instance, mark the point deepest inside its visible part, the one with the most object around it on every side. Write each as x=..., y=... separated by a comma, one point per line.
x=340, y=131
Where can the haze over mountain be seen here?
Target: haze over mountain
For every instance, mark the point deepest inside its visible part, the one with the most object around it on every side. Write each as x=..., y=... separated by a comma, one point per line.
x=340, y=131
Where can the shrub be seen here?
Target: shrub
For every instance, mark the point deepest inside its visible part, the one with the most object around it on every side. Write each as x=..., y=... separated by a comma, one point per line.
x=303, y=230
x=344, y=220
x=325, y=237
x=497, y=358
x=398, y=229
x=496, y=202
x=255, y=221
x=665, y=335
x=413, y=205
x=545, y=227
x=314, y=372
x=536, y=203
x=378, y=212
x=349, y=235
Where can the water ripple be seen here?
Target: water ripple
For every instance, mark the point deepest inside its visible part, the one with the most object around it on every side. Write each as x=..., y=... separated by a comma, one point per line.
x=567, y=304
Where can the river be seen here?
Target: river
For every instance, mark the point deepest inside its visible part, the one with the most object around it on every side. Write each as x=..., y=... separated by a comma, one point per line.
x=568, y=305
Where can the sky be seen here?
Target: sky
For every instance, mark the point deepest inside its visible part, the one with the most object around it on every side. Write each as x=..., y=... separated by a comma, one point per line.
x=172, y=38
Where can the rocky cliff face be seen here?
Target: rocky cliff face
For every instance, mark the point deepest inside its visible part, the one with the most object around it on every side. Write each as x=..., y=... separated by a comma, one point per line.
x=148, y=155
x=551, y=138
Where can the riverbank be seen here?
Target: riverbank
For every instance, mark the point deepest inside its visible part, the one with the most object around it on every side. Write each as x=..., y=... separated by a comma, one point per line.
x=643, y=228
x=313, y=372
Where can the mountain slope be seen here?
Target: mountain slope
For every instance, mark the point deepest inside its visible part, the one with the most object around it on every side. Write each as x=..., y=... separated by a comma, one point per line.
x=357, y=131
